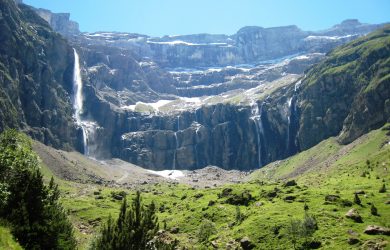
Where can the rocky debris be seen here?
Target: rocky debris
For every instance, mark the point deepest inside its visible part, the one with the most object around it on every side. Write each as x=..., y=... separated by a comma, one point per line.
x=354, y=215
x=259, y=204
x=174, y=230
x=246, y=244
x=353, y=233
x=377, y=230
x=332, y=198
x=375, y=244
x=353, y=241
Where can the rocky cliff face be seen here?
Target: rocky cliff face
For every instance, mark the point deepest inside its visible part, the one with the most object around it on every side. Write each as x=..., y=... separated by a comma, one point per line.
x=183, y=102
x=348, y=92
x=60, y=22
x=35, y=77
x=250, y=45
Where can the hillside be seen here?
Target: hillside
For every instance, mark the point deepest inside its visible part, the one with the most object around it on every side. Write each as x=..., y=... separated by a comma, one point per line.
x=265, y=202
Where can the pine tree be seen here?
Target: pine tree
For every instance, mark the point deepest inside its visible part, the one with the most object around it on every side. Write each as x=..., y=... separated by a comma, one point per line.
x=32, y=208
x=134, y=229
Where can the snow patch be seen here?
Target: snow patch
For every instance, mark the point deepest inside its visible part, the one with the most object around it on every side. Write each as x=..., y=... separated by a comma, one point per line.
x=327, y=37
x=169, y=174
x=155, y=105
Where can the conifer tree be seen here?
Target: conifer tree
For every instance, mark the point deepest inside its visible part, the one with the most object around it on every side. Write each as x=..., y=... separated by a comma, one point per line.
x=134, y=229
x=32, y=208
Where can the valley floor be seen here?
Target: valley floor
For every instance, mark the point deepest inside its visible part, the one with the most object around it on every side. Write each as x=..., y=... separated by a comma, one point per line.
x=240, y=208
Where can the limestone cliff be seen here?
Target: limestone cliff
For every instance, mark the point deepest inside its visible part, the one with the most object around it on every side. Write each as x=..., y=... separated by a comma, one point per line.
x=35, y=77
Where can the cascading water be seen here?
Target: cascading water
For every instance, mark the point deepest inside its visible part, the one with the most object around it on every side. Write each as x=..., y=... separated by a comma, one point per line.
x=177, y=144
x=291, y=142
x=256, y=118
x=198, y=126
x=88, y=127
x=289, y=114
x=78, y=98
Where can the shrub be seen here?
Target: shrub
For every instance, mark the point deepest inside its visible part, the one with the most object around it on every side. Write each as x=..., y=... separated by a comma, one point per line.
x=31, y=207
x=299, y=230
x=357, y=200
x=206, y=229
x=134, y=229
x=374, y=210
x=239, y=216
x=383, y=189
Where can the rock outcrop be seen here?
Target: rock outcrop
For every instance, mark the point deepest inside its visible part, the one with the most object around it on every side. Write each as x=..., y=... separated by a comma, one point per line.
x=264, y=111
x=35, y=77
x=250, y=45
x=60, y=22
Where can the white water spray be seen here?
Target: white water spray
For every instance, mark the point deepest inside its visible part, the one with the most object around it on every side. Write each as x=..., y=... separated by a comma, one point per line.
x=177, y=144
x=78, y=98
x=256, y=118
x=88, y=127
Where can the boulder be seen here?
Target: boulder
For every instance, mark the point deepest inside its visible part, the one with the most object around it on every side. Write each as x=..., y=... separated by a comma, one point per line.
x=332, y=197
x=353, y=241
x=354, y=215
x=377, y=230
x=246, y=244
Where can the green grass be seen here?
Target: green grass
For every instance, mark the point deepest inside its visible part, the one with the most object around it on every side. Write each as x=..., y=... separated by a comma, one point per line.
x=7, y=241
x=332, y=169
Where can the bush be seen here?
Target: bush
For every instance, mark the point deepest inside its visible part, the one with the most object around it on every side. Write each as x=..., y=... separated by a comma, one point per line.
x=357, y=200
x=374, y=210
x=242, y=199
x=239, y=215
x=206, y=229
x=31, y=207
x=134, y=229
x=383, y=189
x=299, y=230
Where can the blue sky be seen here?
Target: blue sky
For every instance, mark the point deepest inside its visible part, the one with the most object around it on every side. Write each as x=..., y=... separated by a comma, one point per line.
x=174, y=17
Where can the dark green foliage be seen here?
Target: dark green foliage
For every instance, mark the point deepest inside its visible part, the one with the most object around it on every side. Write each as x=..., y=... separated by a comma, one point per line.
x=243, y=198
x=300, y=232
x=293, y=232
x=134, y=229
x=206, y=229
x=357, y=200
x=38, y=220
x=118, y=195
x=383, y=189
x=374, y=210
x=239, y=216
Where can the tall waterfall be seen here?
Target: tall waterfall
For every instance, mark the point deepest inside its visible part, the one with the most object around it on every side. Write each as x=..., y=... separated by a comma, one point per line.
x=177, y=144
x=88, y=127
x=289, y=115
x=292, y=121
x=256, y=118
x=78, y=98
